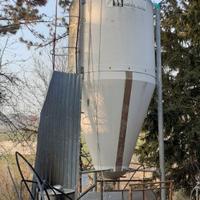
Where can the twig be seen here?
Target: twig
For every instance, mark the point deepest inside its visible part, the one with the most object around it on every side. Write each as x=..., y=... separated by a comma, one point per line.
x=13, y=182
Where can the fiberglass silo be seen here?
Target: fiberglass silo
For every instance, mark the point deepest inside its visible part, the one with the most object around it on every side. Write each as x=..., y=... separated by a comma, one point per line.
x=117, y=54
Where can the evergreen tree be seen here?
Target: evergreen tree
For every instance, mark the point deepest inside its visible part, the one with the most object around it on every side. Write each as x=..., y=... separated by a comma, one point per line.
x=15, y=13
x=181, y=94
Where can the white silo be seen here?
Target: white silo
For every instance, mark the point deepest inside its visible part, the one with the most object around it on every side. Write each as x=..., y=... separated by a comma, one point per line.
x=117, y=54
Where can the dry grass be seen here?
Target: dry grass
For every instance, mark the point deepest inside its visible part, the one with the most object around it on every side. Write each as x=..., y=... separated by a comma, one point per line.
x=7, y=159
x=7, y=189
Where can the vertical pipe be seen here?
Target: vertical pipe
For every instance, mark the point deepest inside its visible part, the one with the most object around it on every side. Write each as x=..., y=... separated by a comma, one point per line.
x=80, y=183
x=118, y=185
x=170, y=195
x=95, y=181
x=77, y=47
x=130, y=193
x=102, y=189
x=54, y=37
x=160, y=104
x=160, y=185
x=81, y=168
x=143, y=192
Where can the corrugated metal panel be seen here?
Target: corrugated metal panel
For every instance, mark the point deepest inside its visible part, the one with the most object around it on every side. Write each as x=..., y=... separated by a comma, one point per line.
x=57, y=156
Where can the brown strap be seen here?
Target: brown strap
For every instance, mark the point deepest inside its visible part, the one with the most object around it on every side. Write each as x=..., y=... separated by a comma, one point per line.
x=124, y=120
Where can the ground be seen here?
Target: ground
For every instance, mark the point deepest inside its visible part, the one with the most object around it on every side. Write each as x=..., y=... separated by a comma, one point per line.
x=7, y=161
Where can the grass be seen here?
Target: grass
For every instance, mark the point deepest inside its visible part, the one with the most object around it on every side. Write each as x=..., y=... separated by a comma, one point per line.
x=4, y=137
x=7, y=191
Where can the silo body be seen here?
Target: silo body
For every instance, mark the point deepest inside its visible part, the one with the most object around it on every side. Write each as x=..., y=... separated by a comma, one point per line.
x=117, y=55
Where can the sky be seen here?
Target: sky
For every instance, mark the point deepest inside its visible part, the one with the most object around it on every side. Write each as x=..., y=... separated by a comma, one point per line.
x=18, y=51
x=22, y=61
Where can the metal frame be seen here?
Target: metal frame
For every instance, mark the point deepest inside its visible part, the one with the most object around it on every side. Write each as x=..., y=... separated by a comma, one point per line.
x=132, y=185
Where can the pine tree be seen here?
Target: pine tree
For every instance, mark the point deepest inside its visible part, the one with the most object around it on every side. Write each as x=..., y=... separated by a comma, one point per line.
x=181, y=93
x=15, y=13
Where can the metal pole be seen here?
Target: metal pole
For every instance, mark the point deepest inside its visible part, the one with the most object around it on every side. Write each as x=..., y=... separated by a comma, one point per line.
x=102, y=185
x=160, y=104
